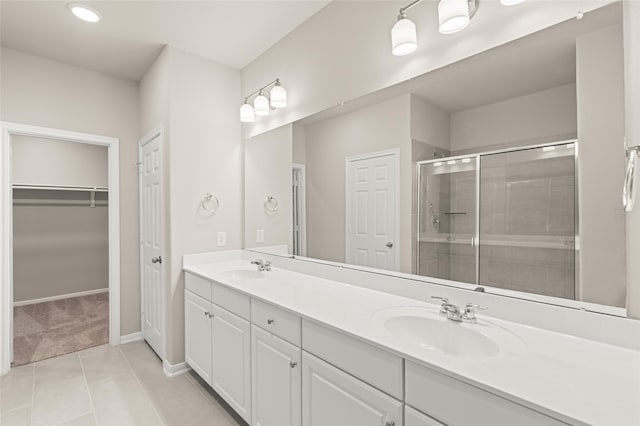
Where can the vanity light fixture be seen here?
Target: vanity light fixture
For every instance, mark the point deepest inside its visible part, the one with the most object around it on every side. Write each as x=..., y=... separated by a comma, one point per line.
x=466, y=160
x=262, y=105
x=84, y=12
x=451, y=162
x=453, y=16
x=437, y=164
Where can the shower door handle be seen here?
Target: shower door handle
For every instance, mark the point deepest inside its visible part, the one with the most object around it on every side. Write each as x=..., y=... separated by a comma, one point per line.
x=629, y=190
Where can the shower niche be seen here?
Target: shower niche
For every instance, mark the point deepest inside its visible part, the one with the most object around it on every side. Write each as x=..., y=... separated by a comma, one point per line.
x=505, y=219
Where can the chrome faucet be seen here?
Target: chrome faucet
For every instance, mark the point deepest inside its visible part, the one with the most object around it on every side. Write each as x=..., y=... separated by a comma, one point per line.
x=454, y=313
x=262, y=265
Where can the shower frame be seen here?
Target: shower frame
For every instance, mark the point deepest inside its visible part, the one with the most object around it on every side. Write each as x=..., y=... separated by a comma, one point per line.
x=475, y=240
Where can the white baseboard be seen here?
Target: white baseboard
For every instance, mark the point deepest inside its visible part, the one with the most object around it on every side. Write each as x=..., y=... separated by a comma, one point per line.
x=133, y=337
x=174, y=369
x=60, y=297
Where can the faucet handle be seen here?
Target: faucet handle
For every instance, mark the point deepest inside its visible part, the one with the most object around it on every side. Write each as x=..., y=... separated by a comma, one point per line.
x=470, y=311
x=443, y=299
x=445, y=303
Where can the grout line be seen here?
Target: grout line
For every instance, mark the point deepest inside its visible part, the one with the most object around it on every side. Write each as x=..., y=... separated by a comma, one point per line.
x=141, y=386
x=33, y=395
x=84, y=376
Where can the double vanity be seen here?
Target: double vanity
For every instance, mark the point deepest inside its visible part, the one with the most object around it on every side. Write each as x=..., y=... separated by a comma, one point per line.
x=284, y=345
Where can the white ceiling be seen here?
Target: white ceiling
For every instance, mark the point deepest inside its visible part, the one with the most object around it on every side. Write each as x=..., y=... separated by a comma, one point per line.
x=131, y=34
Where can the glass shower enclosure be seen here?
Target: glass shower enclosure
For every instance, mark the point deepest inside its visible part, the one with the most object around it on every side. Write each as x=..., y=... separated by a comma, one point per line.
x=503, y=219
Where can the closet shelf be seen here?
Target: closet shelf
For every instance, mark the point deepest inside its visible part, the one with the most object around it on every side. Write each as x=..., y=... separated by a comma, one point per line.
x=61, y=187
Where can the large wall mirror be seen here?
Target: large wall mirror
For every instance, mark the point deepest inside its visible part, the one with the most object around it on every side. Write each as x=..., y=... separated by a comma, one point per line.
x=503, y=171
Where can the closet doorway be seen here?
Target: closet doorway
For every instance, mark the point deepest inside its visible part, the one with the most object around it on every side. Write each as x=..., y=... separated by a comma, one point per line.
x=60, y=243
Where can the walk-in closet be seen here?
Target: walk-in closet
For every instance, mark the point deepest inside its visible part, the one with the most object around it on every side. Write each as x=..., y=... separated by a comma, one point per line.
x=60, y=247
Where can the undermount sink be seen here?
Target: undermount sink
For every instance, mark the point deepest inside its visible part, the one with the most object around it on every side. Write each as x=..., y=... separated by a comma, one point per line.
x=427, y=331
x=242, y=274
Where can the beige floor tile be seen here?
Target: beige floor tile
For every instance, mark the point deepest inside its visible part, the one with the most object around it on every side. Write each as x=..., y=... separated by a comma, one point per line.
x=16, y=388
x=120, y=396
x=103, y=364
x=85, y=420
x=94, y=350
x=18, y=417
x=50, y=373
x=191, y=410
x=145, y=416
x=61, y=402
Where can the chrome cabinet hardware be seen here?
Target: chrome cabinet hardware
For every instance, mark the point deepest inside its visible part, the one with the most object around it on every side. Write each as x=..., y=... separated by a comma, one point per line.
x=270, y=321
x=208, y=314
x=292, y=364
x=156, y=259
x=390, y=423
x=389, y=244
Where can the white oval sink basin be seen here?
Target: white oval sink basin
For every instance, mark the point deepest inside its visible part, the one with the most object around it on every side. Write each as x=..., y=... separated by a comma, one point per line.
x=242, y=274
x=426, y=331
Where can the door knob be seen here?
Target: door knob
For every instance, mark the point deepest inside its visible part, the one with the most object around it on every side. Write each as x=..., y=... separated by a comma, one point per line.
x=156, y=259
x=389, y=244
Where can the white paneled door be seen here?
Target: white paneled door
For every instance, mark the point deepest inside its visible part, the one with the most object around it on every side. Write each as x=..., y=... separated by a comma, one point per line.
x=372, y=201
x=151, y=241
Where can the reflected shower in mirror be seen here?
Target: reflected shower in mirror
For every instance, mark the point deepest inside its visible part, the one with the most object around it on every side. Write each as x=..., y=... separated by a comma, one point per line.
x=504, y=170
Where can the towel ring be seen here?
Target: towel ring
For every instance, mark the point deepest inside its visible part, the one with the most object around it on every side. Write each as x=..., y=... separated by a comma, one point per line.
x=210, y=203
x=271, y=204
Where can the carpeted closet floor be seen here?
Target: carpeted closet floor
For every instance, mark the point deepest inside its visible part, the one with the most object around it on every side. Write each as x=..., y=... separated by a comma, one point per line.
x=48, y=329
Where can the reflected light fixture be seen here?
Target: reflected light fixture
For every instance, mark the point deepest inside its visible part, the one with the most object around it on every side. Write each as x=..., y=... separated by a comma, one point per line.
x=451, y=162
x=263, y=104
x=453, y=16
x=86, y=13
x=404, y=38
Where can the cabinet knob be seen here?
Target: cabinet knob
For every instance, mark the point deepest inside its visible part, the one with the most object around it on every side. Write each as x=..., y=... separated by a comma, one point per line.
x=390, y=423
x=208, y=314
x=270, y=321
x=293, y=364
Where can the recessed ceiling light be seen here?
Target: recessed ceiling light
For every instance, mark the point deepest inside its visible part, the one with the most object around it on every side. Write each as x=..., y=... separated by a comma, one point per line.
x=83, y=12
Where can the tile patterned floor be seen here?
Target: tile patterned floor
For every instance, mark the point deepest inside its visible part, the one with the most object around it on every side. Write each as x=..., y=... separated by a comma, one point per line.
x=107, y=385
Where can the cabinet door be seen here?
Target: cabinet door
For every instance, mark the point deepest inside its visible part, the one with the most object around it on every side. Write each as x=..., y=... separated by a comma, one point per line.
x=197, y=334
x=416, y=418
x=275, y=380
x=331, y=397
x=231, y=365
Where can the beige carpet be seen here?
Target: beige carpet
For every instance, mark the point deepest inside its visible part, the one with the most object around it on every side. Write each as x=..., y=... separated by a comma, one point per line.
x=48, y=329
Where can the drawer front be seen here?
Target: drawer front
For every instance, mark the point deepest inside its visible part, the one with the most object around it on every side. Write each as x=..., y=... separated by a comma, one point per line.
x=414, y=417
x=369, y=363
x=231, y=300
x=198, y=285
x=441, y=396
x=281, y=323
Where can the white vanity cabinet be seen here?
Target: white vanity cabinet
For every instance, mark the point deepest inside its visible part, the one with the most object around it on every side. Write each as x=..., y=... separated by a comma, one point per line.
x=231, y=360
x=414, y=417
x=331, y=397
x=218, y=342
x=197, y=334
x=275, y=380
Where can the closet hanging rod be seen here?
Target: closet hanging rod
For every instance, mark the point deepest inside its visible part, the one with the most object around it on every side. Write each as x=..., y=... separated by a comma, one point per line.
x=61, y=188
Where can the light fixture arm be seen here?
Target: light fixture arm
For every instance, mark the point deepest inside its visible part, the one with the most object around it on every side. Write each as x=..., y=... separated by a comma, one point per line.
x=473, y=8
x=275, y=82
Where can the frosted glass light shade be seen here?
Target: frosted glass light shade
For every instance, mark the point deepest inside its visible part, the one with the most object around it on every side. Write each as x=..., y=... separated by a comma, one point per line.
x=261, y=105
x=247, y=114
x=83, y=12
x=453, y=15
x=278, y=96
x=511, y=2
x=404, y=38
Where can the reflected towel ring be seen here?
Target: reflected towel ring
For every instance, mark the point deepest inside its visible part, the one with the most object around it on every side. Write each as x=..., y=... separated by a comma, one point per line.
x=210, y=203
x=271, y=205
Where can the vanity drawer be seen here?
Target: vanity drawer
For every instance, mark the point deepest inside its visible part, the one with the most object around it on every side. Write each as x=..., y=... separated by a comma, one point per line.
x=414, y=417
x=367, y=362
x=198, y=285
x=231, y=300
x=442, y=397
x=275, y=320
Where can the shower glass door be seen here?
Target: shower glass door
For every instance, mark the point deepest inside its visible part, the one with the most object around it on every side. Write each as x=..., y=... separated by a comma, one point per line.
x=528, y=220
x=447, y=219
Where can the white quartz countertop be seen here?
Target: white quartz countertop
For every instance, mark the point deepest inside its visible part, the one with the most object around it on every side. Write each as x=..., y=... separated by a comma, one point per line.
x=572, y=379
